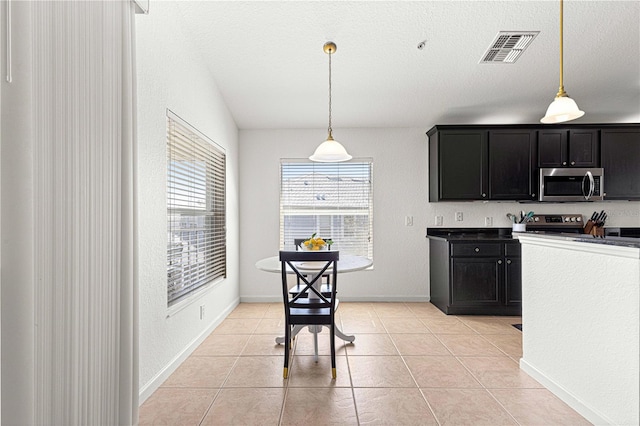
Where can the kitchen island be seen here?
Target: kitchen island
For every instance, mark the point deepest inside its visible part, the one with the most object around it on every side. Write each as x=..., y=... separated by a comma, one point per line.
x=581, y=299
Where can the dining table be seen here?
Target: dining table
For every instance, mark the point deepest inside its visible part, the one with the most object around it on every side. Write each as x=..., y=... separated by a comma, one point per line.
x=347, y=263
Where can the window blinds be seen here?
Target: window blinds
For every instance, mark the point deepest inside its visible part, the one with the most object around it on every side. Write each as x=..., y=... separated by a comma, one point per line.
x=333, y=200
x=196, y=246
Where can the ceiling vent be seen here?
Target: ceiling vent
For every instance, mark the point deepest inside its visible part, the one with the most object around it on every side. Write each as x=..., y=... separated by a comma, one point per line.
x=508, y=46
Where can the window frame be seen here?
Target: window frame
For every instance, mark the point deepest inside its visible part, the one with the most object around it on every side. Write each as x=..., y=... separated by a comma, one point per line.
x=352, y=173
x=196, y=211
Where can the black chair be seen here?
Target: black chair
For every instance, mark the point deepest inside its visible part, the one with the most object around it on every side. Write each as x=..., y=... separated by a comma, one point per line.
x=309, y=306
x=326, y=285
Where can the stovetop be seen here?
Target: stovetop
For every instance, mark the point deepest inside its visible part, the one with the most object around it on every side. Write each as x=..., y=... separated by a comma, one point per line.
x=558, y=222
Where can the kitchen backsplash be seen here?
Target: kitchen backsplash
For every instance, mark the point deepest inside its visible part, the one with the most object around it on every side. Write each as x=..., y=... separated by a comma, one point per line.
x=475, y=214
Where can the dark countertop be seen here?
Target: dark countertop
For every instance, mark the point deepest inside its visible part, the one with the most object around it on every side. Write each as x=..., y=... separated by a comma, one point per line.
x=623, y=237
x=470, y=234
x=609, y=240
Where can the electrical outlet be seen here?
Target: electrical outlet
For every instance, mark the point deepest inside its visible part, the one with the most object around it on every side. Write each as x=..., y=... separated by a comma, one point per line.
x=408, y=220
x=488, y=221
x=201, y=312
x=438, y=220
x=459, y=217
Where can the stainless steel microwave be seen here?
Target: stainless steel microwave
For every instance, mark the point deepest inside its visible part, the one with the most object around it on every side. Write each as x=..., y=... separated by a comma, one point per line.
x=571, y=184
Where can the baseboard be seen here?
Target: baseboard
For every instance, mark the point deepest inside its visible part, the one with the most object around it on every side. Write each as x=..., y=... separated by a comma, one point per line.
x=150, y=387
x=566, y=396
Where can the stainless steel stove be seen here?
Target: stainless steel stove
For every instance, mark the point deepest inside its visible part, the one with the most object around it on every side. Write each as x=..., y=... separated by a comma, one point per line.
x=568, y=223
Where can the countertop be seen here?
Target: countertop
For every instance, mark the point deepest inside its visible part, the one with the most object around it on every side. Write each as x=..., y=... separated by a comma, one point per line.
x=590, y=239
x=505, y=234
x=470, y=234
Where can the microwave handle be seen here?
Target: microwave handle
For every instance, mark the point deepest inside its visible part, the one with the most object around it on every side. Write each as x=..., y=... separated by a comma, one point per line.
x=592, y=185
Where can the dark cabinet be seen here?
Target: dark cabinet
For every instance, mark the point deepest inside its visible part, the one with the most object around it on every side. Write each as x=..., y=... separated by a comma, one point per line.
x=621, y=163
x=458, y=165
x=476, y=277
x=568, y=148
x=513, y=275
x=502, y=162
x=481, y=164
x=512, y=165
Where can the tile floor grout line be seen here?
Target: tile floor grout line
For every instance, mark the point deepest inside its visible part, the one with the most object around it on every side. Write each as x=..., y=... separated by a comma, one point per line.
x=204, y=416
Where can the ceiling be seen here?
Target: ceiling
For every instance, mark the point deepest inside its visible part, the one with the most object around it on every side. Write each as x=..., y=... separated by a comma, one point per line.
x=267, y=59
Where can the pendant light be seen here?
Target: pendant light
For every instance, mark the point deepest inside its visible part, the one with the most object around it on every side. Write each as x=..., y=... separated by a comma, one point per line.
x=330, y=151
x=563, y=108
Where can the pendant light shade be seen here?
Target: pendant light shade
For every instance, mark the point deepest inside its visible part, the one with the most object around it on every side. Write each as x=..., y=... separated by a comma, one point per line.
x=563, y=108
x=330, y=151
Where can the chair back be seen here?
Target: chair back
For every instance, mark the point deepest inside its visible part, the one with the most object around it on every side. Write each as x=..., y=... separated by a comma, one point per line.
x=309, y=295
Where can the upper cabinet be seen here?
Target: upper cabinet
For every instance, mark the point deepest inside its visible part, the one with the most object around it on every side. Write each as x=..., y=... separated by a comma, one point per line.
x=468, y=163
x=458, y=165
x=621, y=163
x=561, y=147
x=502, y=162
x=512, y=165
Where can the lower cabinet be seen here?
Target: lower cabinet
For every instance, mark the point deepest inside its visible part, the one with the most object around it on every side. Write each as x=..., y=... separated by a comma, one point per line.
x=481, y=278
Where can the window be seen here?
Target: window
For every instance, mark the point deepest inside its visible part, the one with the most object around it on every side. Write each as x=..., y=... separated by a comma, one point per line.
x=334, y=200
x=196, y=246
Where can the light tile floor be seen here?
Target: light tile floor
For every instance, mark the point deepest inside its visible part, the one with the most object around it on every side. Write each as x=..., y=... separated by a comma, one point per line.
x=409, y=365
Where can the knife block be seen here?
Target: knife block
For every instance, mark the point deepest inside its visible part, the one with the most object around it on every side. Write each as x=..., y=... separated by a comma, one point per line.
x=591, y=229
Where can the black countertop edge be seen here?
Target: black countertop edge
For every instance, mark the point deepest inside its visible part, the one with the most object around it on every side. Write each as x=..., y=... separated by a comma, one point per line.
x=472, y=234
x=629, y=237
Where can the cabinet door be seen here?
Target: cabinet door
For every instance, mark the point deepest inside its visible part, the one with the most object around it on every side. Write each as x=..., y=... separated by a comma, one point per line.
x=568, y=148
x=476, y=281
x=552, y=148
x=513, y=281
x=584, y=148
x=621, y=163
x=462, y=165
x=512, y=165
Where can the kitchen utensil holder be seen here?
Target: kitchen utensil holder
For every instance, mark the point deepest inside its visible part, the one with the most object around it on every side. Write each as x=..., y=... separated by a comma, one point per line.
x=519, y=227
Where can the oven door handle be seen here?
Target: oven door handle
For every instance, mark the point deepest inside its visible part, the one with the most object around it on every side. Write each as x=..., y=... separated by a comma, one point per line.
x=592, y=185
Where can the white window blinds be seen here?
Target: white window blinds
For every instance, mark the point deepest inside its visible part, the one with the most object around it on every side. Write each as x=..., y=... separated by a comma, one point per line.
x=196, y=246
x=333, y=200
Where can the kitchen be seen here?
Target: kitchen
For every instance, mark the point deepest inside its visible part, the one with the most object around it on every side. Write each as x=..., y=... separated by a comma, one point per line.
x=571, y=279
x=276, y=48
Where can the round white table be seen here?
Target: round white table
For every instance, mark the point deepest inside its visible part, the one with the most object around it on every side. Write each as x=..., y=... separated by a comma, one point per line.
x=347, y=263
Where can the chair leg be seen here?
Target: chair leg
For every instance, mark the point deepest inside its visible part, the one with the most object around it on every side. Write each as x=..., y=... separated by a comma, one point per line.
x=287, y=344
x=333, y=350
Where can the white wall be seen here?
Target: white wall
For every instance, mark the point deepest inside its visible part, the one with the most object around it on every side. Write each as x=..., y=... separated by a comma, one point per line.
x=400, y=189
x=170, y=75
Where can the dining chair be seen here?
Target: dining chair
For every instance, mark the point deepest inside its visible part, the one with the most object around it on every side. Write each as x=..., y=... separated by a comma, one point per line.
x=309, y=306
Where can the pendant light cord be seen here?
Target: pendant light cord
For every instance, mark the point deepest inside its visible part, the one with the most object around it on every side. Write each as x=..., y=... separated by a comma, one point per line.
x=561, y=91
x=329, y=129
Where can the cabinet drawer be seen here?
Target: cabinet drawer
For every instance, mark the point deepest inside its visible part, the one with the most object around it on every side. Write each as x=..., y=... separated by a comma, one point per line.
x=512, y=250
x=476, y=249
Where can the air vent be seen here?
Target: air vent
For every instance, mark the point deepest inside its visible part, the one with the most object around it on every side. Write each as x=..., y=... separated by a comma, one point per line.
x=508, y=46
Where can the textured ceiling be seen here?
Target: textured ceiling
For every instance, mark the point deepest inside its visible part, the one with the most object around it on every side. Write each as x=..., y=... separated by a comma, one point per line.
x=267, y=59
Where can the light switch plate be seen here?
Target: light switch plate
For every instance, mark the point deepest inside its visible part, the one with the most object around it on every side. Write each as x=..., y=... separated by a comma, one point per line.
x=459, y=217
x=438, y=220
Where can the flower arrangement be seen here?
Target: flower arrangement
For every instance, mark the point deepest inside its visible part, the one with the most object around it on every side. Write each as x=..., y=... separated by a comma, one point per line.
x=315, y=243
